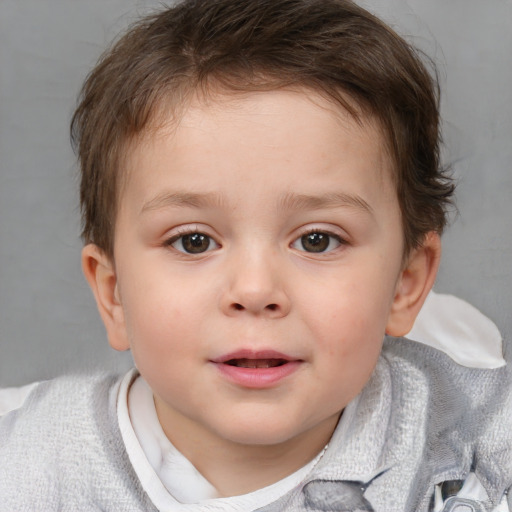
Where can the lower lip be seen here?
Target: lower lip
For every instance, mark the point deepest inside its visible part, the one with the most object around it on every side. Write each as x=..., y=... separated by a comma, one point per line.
x=257, y=378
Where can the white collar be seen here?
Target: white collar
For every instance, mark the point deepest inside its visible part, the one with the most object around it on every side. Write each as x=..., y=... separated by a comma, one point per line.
x=169, y=479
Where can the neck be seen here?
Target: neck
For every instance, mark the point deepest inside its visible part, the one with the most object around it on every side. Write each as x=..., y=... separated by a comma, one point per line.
x=235, y=468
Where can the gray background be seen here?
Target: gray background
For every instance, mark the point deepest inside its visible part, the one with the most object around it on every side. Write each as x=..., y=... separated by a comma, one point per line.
x=48, y=320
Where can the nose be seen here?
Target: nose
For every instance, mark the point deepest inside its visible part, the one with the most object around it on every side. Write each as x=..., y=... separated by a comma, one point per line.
x=256, y=286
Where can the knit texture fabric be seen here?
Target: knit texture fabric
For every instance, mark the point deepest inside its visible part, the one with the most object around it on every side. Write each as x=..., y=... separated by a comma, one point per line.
x=62, y=451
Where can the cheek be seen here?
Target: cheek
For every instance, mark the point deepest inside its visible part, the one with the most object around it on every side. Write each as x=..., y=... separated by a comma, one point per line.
x=347, y=318
x=352, y=311
x=168, y=310
x=350, y=358
x=351, y=339
x=160, y=321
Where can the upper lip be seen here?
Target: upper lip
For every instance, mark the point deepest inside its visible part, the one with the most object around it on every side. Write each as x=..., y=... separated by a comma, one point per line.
x=254, y=355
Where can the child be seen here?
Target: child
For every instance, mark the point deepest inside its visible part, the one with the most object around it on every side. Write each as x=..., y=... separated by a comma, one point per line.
x=262, y=202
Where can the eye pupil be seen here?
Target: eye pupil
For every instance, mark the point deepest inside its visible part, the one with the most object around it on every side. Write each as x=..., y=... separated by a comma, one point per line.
x=315, y=242
x=196, y=243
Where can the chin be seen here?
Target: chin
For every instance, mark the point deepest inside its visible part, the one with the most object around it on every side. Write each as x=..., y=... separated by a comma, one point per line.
x=259, y=433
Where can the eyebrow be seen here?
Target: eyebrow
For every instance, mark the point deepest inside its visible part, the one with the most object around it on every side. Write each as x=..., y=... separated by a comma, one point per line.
x=330, y=200
x=182, y=199
x=288, y=202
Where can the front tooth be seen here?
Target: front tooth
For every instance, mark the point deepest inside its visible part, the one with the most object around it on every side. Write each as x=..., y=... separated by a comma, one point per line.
x=256, y=363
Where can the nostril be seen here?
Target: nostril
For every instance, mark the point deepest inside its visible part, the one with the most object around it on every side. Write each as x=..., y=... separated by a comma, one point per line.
x=273, y=308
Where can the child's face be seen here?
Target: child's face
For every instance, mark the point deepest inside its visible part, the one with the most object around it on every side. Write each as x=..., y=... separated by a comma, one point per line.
x=258, y=251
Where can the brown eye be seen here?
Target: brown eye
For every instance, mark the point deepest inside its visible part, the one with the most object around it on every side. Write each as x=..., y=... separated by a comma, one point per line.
x=317, y=242
x=194, y=243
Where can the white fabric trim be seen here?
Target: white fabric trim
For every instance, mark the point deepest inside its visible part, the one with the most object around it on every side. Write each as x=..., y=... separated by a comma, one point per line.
x=13, y=398
x=461, y=331
x=148, y=478
x=471, y=490
x=175, y=471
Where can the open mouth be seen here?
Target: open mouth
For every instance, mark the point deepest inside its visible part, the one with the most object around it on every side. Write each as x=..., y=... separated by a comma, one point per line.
x=257, y=369
x=256, y=363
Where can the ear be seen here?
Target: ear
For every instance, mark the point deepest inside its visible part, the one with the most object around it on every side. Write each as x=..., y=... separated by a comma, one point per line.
x=100, y=273
x=413, y=285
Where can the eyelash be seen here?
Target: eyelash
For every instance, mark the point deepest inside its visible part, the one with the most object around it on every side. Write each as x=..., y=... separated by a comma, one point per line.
x=315, y=231
x=181, y=234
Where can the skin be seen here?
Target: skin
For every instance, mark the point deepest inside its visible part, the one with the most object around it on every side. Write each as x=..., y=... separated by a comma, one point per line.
x=255, y=174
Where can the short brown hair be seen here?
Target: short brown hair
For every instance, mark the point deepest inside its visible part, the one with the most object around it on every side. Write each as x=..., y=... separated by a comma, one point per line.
x=331, y=46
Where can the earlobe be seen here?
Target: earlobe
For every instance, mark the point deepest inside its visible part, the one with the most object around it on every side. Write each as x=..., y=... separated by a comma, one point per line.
x=100, y=273
x=414, y=283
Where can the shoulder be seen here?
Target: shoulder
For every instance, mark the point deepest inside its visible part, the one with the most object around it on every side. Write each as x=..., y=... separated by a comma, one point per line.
x=455, y=366
x=466, y=422
x=53, y=404
x=62, y=438
x=443, y=378
x=456, y=355
x=456, y=400
x=58, y=409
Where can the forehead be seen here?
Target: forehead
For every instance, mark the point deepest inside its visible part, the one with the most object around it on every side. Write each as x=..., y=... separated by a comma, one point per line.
x=218, y=134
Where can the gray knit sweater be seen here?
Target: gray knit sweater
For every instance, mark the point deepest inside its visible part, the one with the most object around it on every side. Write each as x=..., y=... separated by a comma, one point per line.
x=421, y=420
